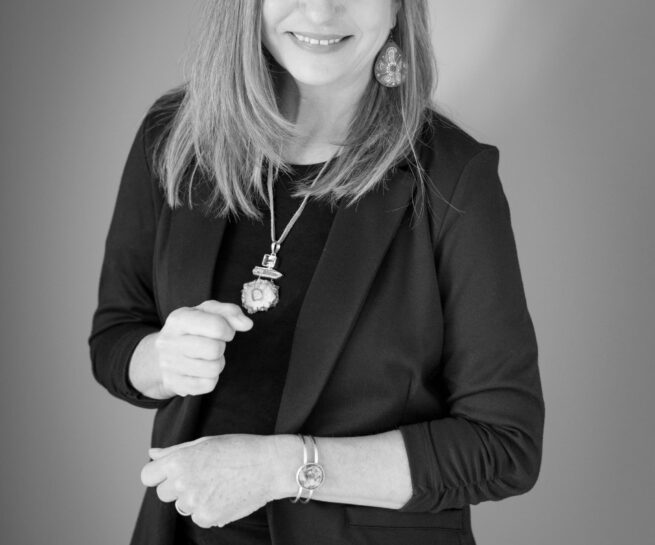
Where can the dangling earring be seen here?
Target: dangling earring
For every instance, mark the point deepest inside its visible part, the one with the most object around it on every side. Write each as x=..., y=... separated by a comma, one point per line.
x=390, y=65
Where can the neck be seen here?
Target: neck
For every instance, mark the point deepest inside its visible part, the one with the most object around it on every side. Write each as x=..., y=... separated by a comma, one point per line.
x=321, y=114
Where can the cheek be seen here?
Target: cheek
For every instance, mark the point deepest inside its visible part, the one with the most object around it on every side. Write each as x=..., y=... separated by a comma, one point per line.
x=373, y=42
x=375, y=28
x=273, y=13
x=267, y=24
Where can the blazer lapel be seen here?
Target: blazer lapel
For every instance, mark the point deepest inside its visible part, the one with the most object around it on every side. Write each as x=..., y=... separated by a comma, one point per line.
x=188, y=258
x=358, y=240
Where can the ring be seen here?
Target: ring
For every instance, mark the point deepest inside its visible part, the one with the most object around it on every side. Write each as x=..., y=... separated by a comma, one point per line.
x=181, y=511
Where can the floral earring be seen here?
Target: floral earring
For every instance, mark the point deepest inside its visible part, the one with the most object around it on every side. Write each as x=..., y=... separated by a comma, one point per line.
x=390, y=66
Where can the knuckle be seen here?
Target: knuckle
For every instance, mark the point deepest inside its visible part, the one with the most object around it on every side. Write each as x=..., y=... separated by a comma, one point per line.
x=206, y=385
x=223, y=328
x=195, y=388
x=168, y=382
x=221, y=364
x=175, y=315
x=191, y=502
x=145, y=476
x=166, y=363
x=160, y=342
x=161, y=493
x=178, y=484
x=210, y=372
x=167, y=343
x=173, y=465
x=193, y=391
x=179, y=388
x=232, y=309
x=187, y=390
x=201, y=520
x=216, y=350
x=213, y=370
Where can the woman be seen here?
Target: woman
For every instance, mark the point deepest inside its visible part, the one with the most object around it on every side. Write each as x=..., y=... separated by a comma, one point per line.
x=312, y=277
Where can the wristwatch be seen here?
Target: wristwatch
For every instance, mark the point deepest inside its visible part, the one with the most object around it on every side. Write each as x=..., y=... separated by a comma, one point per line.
x=310, y=474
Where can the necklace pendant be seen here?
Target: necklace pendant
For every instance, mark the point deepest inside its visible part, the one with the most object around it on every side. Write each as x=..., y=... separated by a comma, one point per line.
x=269, y=261
x=262, y=293
x=259, y=295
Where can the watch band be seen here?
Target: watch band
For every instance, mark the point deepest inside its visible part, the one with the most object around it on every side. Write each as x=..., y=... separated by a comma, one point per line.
x=310, y=474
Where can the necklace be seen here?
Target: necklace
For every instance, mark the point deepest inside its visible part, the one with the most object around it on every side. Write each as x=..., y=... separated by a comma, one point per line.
x=262, y=293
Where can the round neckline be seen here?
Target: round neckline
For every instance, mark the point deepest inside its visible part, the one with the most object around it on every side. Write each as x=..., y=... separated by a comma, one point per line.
x=306, y=166
x=305, y=172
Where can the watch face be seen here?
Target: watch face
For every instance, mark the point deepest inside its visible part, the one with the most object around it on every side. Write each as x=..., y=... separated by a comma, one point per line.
x=310, y=476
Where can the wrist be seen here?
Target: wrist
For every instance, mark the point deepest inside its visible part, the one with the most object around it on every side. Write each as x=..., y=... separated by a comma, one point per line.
x=144, y=373
x=287, y=456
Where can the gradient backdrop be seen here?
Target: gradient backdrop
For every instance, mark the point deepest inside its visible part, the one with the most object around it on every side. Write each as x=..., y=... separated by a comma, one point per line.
x=565, y=88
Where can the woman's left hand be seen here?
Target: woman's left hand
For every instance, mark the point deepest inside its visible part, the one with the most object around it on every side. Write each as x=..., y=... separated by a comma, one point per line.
x=216, y=479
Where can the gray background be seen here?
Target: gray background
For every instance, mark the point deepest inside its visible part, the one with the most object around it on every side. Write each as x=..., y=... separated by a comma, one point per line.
x=565, y=88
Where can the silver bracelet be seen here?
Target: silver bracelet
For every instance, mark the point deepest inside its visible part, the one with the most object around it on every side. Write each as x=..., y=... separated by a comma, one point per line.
x=310, y=474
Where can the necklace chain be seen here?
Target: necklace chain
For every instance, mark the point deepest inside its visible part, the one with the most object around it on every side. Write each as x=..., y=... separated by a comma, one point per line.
x=277, y=243
x=262, y=294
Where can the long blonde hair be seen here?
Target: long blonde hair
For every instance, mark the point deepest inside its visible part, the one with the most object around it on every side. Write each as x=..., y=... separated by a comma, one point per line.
x=227, y=126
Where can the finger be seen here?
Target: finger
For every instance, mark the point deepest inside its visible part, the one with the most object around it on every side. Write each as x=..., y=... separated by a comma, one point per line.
x=193, y=368
x=166, y=492
x=157, y=453
x=153, y=473
x=188, y=386
x=194, y=321
x=201, y=348
x=231, y=312
x=184, y=506
x=202, y=520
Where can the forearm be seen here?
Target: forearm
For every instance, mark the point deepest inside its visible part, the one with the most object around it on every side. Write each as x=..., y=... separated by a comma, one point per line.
x=371, y=470
x=111, y=350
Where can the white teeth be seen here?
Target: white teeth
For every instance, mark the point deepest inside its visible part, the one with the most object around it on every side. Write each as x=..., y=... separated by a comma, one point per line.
x=314, y=41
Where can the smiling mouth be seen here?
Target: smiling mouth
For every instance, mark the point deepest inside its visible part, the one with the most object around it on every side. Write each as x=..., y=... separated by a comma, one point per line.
x=324, y=41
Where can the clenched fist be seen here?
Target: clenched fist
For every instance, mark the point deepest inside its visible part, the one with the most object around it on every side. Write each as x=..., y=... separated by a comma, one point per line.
x=186, y=356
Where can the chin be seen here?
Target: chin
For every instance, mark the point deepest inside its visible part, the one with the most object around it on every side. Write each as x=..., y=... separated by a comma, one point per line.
x=316, y=78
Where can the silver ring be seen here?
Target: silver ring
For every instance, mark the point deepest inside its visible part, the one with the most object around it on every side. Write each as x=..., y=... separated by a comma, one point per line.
x=181, y=511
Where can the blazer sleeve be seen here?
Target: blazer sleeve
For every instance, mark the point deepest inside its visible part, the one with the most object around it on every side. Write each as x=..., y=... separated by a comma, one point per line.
x=489, y=446
x=127, y=310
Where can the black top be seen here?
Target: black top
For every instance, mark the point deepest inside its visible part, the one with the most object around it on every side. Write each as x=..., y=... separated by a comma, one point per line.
x=413, y=321
x=248, y=393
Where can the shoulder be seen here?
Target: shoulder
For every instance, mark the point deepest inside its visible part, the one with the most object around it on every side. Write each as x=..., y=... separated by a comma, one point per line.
x=459, y=170
x=445, y=150
x=156, y=125
x=160, y=116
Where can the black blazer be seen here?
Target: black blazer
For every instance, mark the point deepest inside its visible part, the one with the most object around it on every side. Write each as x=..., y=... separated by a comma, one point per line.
x=411, y=322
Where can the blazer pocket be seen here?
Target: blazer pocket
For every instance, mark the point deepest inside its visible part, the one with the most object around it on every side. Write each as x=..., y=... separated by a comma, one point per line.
x=450, y=519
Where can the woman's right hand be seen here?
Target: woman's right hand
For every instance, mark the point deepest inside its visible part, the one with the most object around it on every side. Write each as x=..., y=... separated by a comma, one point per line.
x=186, y=356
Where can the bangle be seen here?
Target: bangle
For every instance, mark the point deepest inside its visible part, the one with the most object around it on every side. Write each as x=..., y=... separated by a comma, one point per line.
x=310, y=474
